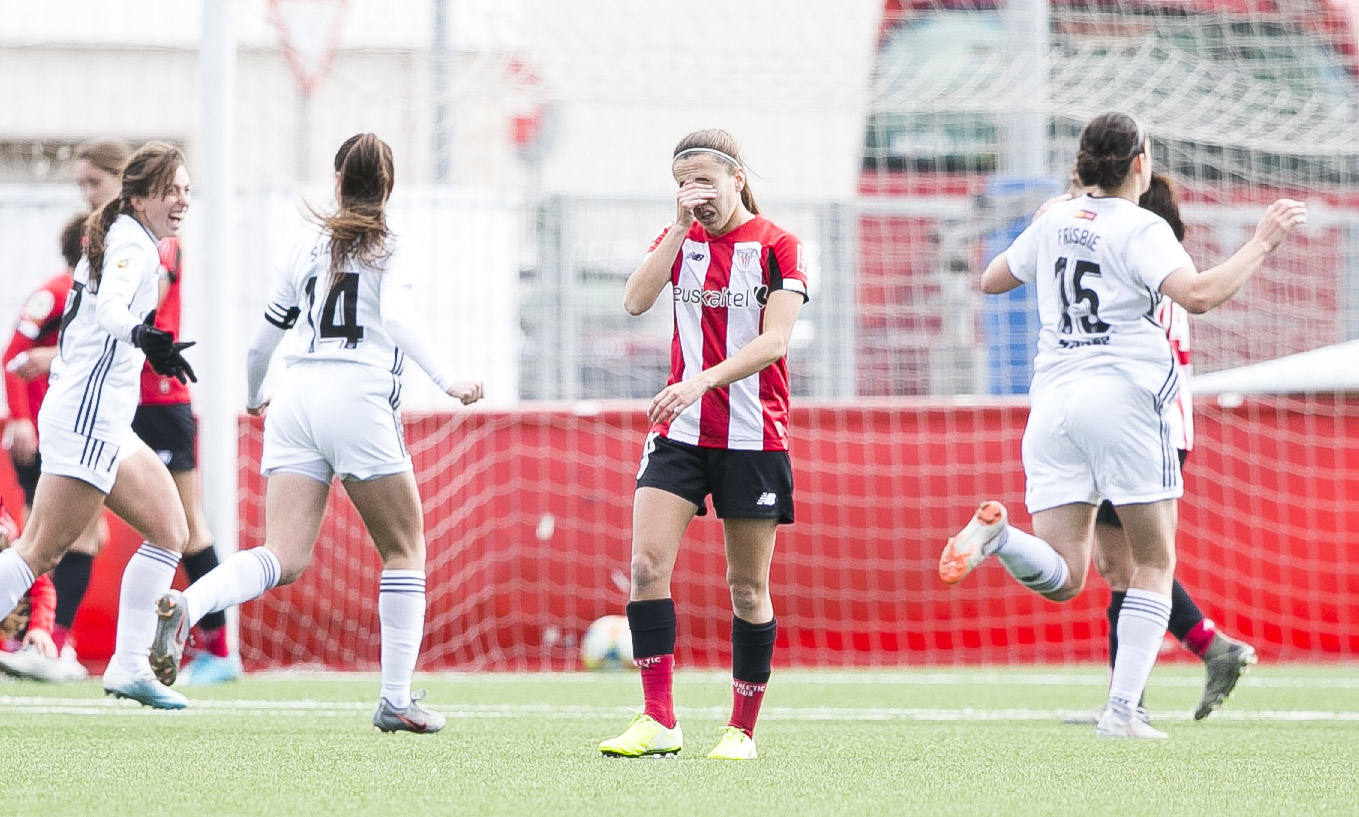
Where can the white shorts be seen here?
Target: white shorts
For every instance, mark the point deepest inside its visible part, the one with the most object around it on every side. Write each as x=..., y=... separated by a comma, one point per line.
x=334, y=419
x=1098, y=437
x=87, y=458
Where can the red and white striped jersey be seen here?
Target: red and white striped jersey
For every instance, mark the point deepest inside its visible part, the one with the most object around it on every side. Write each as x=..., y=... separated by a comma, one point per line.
x=1180, y=412
x=721, y=286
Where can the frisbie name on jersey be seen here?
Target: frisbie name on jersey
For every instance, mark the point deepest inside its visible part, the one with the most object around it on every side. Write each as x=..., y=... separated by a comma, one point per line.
x=1078, y=237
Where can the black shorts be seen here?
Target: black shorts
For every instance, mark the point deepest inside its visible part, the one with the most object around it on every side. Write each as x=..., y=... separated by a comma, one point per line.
x=1106, y=515
x=743, y=484
x=27, y=475
x=172, y=432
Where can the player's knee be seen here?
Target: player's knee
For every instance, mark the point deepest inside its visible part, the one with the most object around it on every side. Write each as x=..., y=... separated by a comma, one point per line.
x=1068, y=591
x=39, y=559
x=1114, y=571
x=174, y=535
x=290, y=570
x=746, y=596
x=648, y=570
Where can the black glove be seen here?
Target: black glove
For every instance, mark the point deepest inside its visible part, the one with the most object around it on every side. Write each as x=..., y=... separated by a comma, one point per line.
x=162, y=352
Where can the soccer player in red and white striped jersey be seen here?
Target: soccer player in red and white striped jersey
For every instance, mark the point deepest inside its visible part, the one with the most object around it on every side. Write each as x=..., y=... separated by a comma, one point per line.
x=719, y=428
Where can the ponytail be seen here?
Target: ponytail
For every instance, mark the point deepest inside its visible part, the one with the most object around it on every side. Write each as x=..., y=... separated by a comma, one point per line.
x=358, y=228
x=96, y=230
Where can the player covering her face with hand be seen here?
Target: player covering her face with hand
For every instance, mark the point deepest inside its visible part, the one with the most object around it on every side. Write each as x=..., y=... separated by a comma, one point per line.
x=719, y=428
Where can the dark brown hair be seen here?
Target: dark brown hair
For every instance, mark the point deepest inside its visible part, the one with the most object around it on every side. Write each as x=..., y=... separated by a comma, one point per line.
x=358, y=228
x=109, y=155
x=73, y=239
x=723, y=142
x=1163, y=199
x=1109, y=144
x=149, y=173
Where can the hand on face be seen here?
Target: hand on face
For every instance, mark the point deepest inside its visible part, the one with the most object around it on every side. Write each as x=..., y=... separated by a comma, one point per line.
x=694, y=201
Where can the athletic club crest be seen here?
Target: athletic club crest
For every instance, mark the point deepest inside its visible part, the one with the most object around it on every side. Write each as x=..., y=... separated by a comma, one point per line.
x=746, y=257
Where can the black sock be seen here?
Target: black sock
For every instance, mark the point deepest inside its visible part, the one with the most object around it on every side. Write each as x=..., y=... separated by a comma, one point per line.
x=653, y=627
x=196, y=566
x=1115, y=604
x=1185, y=615
x=71, y=577
x=752, y=649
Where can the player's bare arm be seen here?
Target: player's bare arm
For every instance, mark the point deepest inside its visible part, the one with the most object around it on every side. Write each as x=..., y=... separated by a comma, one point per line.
x=650, y=278
x=768, y=347
x=1200, y=292
x=996, y=278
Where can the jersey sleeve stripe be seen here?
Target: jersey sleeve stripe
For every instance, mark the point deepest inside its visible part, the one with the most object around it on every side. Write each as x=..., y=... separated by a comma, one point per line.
x=285, y=321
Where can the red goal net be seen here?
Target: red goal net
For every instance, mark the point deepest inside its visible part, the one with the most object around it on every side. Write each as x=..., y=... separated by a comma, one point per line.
x=527, y=515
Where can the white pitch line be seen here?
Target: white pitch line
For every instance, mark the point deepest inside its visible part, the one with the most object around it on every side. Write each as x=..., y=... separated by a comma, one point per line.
x=866, y=677
x=308, y=708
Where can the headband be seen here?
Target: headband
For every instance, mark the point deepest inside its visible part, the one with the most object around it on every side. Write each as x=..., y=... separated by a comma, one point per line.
x=1141, y=140
x=713, y=151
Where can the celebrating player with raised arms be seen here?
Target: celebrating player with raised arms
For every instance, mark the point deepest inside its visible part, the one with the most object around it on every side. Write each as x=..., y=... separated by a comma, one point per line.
x=1103, y=379
x=719, y=428
x=90, y=455
x=337, y=412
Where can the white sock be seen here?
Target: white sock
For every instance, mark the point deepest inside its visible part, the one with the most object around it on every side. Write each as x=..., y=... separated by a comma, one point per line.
x=245, y=575
x=148, y=574
x=401, y=609
x=15, y=579
x=1142, y=625
x=1031, y=560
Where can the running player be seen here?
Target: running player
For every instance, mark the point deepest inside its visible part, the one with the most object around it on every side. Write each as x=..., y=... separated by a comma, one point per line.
x=719, y=427
x=360, y=324
x=1103, y=378
x=165, y=421
x=90, y=456
x=1224, y=657
x=27, y=362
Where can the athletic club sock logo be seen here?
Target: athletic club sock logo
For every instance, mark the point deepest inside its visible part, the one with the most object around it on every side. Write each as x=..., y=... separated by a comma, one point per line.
x=746, y=689
x=649, y=661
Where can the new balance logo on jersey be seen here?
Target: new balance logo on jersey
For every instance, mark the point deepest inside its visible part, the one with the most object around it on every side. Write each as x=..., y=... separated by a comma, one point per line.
x=695, y=256
x=724, y=297
x=767, y=499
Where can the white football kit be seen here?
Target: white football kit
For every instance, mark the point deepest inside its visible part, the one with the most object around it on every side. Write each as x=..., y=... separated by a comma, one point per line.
x=1104, y=374
x=85, y=423
x=338, y=410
